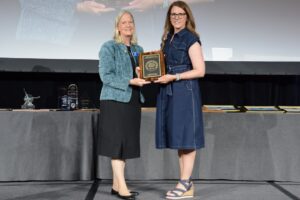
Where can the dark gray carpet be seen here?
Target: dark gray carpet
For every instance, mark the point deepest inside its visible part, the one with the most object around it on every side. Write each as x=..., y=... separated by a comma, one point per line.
x=149, y=190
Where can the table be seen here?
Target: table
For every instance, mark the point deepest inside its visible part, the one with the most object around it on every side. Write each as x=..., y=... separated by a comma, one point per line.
x=59, y=145
x=47, y=145
x=239, y=146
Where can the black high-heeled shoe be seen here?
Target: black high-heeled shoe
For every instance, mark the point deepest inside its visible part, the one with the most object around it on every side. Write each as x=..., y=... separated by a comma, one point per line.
x=114, y=192
x=129, y=197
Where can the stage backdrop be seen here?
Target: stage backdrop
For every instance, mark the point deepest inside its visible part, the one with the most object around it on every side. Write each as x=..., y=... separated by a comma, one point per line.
x=231, y=30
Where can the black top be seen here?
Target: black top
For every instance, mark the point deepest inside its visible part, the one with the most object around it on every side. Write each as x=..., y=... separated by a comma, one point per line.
x=133, y=63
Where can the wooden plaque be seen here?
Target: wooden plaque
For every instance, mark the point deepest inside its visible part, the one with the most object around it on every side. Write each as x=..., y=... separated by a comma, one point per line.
x=152, y=65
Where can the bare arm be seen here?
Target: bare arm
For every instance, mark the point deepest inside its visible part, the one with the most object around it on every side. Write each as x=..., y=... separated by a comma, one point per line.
x=196, y=56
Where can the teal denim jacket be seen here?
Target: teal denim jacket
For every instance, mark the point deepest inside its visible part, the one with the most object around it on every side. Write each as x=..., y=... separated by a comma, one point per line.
x=115, y=71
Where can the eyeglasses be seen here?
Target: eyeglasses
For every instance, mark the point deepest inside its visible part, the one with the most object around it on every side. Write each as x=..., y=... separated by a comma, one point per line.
x=178, y=15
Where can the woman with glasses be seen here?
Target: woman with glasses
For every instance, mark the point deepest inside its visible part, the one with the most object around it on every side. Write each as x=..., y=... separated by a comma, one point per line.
x=179, y=122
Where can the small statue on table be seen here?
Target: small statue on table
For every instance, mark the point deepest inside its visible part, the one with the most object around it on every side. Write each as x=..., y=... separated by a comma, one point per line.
x=28, y=101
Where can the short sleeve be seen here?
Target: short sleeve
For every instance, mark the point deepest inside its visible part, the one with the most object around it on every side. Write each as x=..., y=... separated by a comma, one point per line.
x=192, y=38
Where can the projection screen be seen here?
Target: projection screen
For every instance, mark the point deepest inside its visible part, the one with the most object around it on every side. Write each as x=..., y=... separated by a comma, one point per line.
x=230, y=30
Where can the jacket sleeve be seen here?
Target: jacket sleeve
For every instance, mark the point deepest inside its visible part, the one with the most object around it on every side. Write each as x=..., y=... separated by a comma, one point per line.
x=107, y=69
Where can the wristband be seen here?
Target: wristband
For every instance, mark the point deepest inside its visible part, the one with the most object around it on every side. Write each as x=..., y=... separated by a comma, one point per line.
x=177, y=77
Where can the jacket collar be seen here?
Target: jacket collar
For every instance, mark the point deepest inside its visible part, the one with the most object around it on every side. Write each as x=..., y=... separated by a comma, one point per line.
x=124, y=47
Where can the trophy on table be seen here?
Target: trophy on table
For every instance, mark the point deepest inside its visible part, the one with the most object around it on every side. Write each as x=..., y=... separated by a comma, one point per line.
x=28, y=99
x=68, y=97
x=72, y=93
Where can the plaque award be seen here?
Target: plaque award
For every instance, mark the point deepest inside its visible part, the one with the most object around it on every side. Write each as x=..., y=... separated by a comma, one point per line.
x=152, y=65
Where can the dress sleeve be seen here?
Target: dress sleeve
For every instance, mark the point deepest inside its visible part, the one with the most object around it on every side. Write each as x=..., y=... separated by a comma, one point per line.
x=192, y=39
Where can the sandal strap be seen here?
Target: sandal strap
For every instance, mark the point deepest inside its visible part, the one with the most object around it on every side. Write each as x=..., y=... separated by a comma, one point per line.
x=186, y=183
x=175, y=193
x=178, y=189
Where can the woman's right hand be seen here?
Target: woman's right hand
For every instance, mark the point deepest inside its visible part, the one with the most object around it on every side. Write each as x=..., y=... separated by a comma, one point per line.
x=138, y=82
x=91, y=6
x=166, y=79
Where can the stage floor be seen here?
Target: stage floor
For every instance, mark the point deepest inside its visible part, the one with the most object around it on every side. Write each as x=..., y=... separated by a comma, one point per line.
x=149, y=190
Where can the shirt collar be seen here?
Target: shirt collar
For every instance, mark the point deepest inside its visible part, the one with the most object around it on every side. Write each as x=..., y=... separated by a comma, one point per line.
x=180, y=33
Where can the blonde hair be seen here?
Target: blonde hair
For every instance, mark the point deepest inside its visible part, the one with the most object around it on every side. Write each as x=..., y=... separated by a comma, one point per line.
x=190, y=21
x=117, y=36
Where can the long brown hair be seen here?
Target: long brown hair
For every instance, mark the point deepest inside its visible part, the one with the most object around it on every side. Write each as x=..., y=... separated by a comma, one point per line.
x=190, y=21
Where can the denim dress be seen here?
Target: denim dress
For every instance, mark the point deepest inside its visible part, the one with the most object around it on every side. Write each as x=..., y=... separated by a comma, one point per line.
x=179, y=123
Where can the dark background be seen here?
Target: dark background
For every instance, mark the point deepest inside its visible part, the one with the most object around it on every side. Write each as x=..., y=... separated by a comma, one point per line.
x=254, y=28
x=234, y=83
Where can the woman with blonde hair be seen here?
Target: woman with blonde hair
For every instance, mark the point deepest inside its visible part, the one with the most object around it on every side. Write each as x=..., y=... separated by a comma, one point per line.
x=120, y=101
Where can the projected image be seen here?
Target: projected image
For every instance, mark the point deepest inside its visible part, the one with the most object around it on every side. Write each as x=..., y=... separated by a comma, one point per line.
x=50, y=21
x=231, y=30
x=55, y=21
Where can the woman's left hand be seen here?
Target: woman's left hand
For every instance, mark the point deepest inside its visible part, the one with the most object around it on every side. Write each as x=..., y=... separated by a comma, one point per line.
x=138, y=82
x=166, y=79
x=138, y=71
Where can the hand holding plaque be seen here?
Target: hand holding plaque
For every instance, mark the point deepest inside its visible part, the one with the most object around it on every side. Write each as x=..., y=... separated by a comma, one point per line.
x=152, y=65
